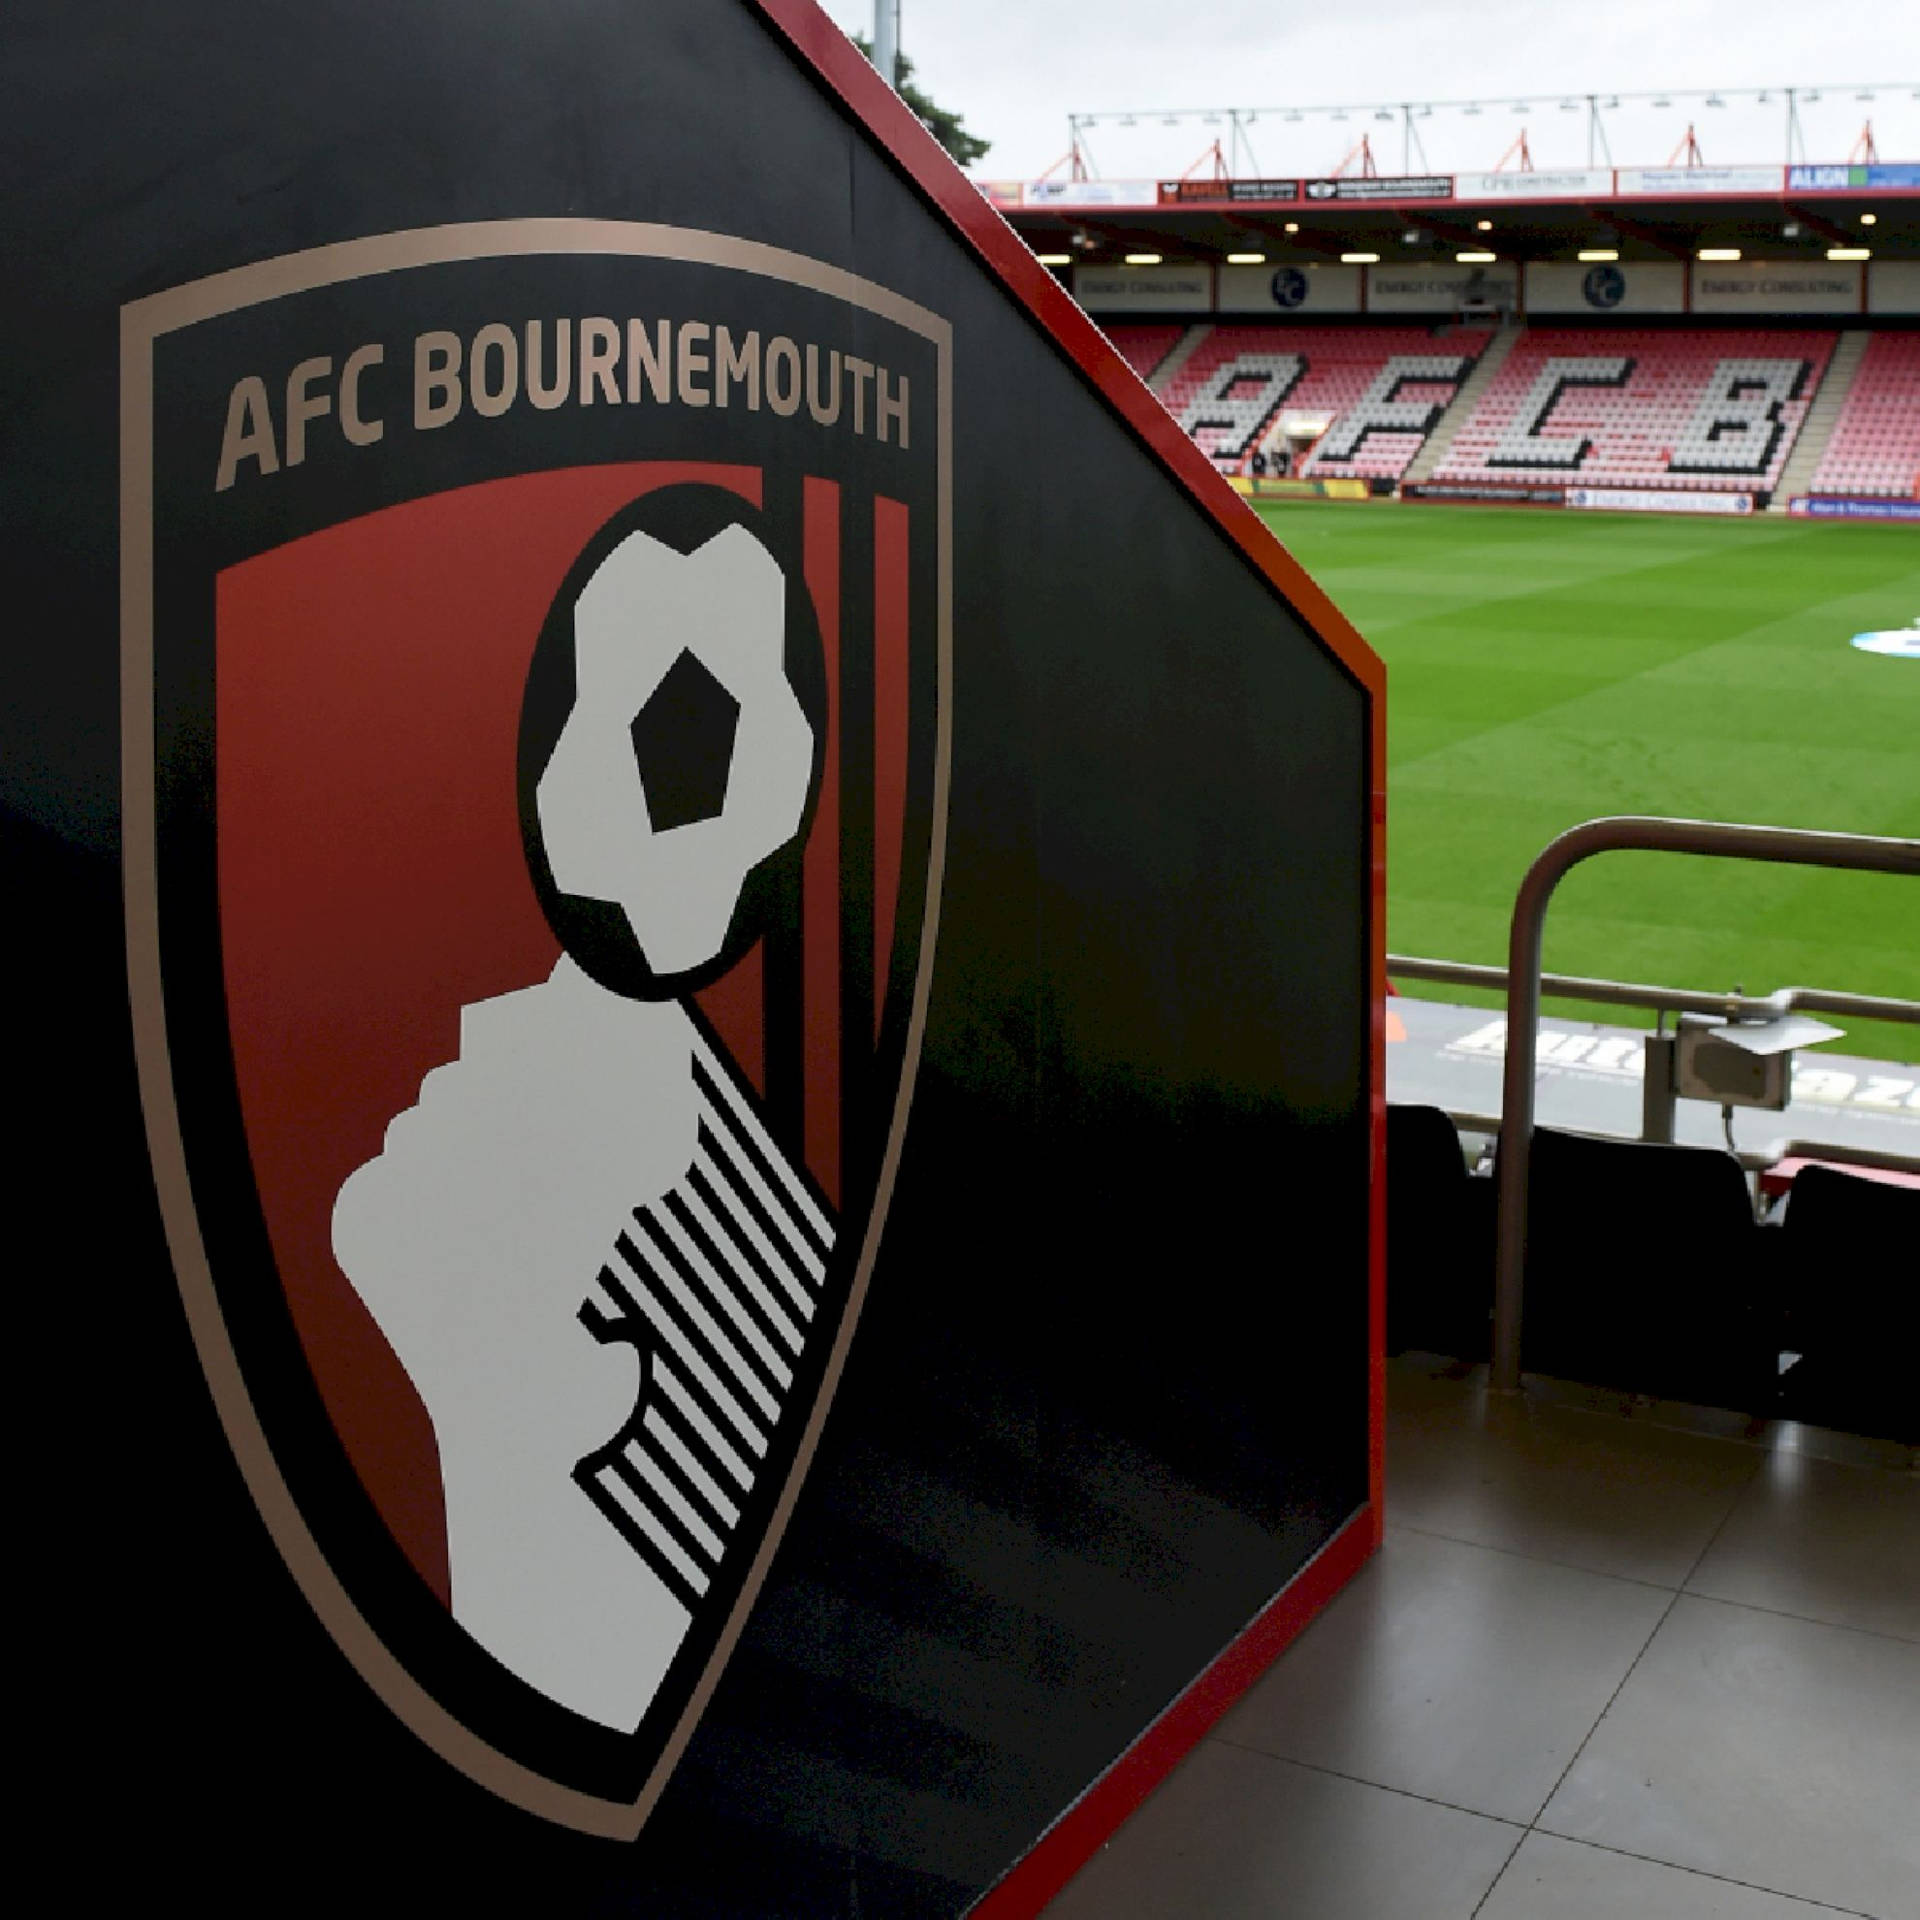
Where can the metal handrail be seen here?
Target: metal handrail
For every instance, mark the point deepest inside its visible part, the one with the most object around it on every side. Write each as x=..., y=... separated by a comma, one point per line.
x=1619, y=833
x=1626, y=993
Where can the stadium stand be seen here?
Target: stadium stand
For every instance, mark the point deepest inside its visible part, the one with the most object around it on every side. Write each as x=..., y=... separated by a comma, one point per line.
x=1710, y=410
x=1875, y=448
x=1143, y=348
x=1382, y=387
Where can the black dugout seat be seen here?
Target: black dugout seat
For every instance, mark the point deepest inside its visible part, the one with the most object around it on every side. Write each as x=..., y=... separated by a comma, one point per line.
x=1439, y=1239
x=1646, y=1271
x=1851, y=1253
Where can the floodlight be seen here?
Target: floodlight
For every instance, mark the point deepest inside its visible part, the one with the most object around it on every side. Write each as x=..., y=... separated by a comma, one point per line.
x=1663, y=103
x=1381, y=113
x=1412, y=237
x=1470, y=108
x=1714, y=100
x=1849, y=253
x=1359, y=259
x=1719, y=253
x=1144, y=259
x=1484, y=226
x=1246, y=259
x=1569, y=106
x=1596, y=254
x=1293, y=226
x=1869, y=219
x=1791, y=231
x=1863, y=96
x=1476, y=259
x=1054, y=259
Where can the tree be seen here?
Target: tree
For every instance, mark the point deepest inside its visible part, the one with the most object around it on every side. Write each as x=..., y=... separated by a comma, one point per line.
x=948, y=128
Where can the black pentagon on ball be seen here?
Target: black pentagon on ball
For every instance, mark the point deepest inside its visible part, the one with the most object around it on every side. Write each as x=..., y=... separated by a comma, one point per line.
x=683, y=745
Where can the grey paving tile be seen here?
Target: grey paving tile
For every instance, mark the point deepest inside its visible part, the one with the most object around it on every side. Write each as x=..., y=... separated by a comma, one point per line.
x=1769, y=1750
x=1533, y=1476
x=1554, y=1879
x=1840, y=1544
x=1454, y=1671
x=1235, y=1835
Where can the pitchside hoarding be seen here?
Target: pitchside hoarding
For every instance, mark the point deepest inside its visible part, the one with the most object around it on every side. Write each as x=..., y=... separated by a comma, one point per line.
x=1576, y=183
x=692, y=878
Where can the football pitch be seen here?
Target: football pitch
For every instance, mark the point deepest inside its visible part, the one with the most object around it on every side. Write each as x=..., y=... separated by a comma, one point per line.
x=1544, y=667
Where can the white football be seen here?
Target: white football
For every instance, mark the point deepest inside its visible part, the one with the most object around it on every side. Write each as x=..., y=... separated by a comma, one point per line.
x=686, y=757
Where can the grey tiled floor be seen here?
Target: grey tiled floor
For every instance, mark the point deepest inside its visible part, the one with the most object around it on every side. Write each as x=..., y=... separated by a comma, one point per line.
x=1612, y=1660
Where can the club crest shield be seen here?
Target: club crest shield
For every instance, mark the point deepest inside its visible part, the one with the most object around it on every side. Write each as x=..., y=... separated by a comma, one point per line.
x=536, y=681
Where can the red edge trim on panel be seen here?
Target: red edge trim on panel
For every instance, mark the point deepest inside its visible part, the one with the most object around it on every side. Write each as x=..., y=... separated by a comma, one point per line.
x=1072, y=1840
x=1086, y=1826
x=847, y=72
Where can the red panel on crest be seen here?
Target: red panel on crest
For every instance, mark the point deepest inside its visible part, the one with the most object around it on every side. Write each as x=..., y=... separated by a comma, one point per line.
x=372, y=880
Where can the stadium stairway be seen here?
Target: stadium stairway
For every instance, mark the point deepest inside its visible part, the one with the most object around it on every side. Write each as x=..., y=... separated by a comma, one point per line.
x=1822, y=417
x=1181, y=352
x=1476, y=383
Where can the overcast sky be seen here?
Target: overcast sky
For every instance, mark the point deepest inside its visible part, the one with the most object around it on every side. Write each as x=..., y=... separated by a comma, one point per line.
x=1016, y=68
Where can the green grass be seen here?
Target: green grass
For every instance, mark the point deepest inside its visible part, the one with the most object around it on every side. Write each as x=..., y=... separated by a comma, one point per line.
x=1545, y=667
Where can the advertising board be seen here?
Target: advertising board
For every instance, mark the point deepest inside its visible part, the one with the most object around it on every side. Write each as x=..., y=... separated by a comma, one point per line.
x=1093, y=193
x=1435, y=288
x=1826, y=506
x=1658, y=500
x=1689, y=183
x=1776, y=286
x=1573, y=183
x=1893, y=286
x=1854, y=179
x=1386, y=186
x=1313, y=286
x=1467, y=492
x=1606, y=286
x=1180, y=192
x=1182, y=288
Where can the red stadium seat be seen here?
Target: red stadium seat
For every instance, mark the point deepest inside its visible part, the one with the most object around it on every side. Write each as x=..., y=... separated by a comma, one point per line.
x=1714, y=410
x=1875, y=449
x=1316, y=371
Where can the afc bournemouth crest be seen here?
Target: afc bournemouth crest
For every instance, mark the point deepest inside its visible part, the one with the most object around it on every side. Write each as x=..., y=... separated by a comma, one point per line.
x=536, y=679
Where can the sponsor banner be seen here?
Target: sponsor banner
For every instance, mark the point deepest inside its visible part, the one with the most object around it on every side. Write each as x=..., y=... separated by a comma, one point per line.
x=1828, y=506
x=1893, y=286
x=1484, y=491
x=1576, y=183
x=1093, y=193
x=1590, y=1078
x=1312, y=287
x=1607, y=286
x=1390, y=186
x=1658, y=500
x=1173, y=289
x=1847, y=179
x=1336, y=489
x=1176, y=192
x=1771, y=286
x=1004, y=193
x=1442, y=289
x=1689, y=183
